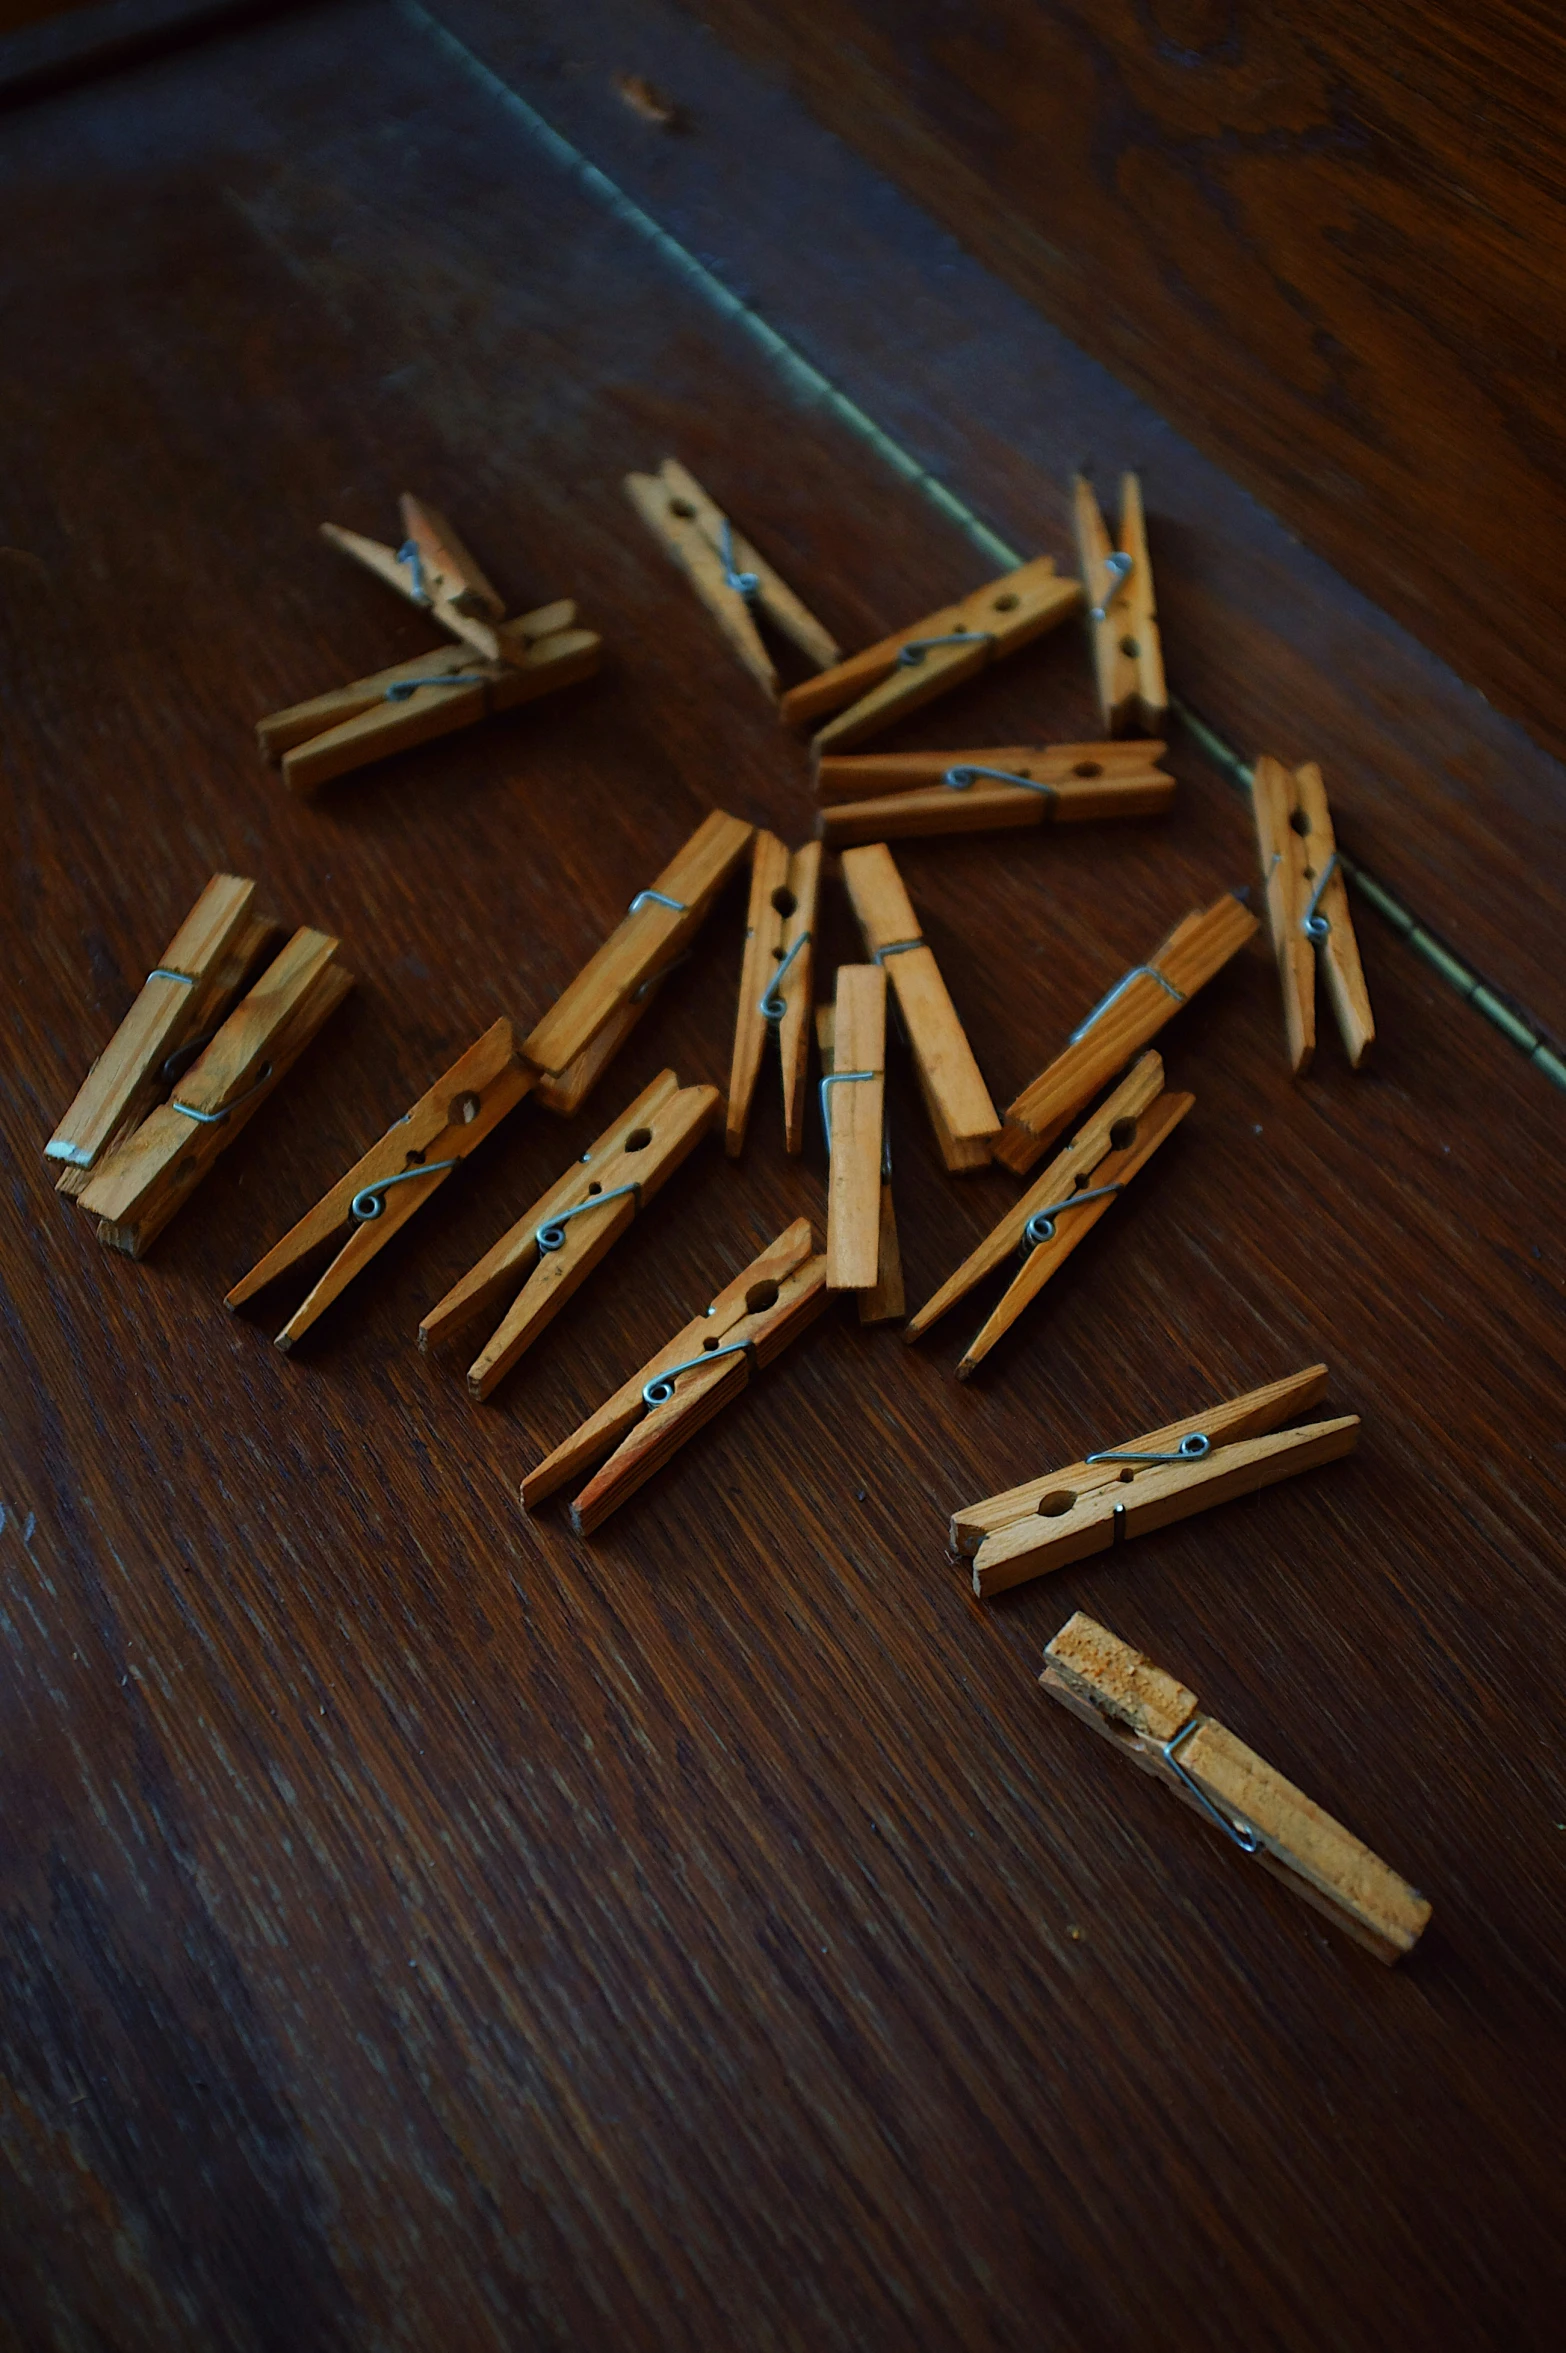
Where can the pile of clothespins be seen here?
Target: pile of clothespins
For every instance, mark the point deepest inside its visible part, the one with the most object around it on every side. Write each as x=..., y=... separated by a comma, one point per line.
x=223, y=1016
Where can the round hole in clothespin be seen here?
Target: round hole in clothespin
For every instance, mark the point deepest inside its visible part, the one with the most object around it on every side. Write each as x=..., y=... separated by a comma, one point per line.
x=462, y=1111
x=1126, y=1477
x=1082, y=768
x=1298, y=821
x=1007, y=603
x=595, y=1187
x=1052, y=1506
x=1122, y=1135
x=784, y=900
x=683, y=508
x=760, y=1295
x=1130, y=648
x=637, y=1141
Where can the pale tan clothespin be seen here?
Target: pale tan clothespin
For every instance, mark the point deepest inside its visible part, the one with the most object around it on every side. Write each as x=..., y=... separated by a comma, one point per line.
x=591, y=1020
x=891, y=796
x=1158, y=1724
x=1128, y=654
x=883, y=1301
x=965, y=1121
x=503, y=663
x=153, y=1171
x=896, y=676
x=686, y=1383
x=1149, y=1482
x=548, y=1254
x=774, y=997
x=1065, y=1204
x=732, y=580
x=1134, y=1011
x=853, y=1110
x=395, y=1177
x=1308, y=909
x=184, y=997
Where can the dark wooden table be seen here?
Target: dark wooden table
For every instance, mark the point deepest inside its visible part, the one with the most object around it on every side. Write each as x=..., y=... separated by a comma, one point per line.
x=424, y=1928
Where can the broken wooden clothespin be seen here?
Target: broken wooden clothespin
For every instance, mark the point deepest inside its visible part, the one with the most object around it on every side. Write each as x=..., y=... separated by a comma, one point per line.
x=883, y=1301
x=153, y=1170
x=965, y=1121
x=1063, y=1206
x=591, y=1020
x=1128, y=654
x=732, y=580
x=1232, y=1449
x=774, y=998
x=395, y=1177
x=1135, y=1010
x=853, y=1112
x=1308, y=909
x=1158, y=1724
x=183, y=998
x=502, y=663
x=891, y=796
x=890, y=679
x=548, y=1254
x=653, y=1413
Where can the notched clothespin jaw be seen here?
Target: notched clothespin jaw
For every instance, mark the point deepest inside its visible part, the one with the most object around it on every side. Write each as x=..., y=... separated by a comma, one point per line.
x=1128, y=657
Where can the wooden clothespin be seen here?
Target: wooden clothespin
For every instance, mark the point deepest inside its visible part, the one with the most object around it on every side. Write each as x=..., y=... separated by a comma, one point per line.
x=1128, y=654
x=381, y=1191
x=1135, y=1010
x=1159, y=1725
x=732, y=580
x=965, y=1121
x=853, y=1112
x=433, y=570
x=890, y=796
x=548, y=1254
x=1308, y=909
x=884, y=1301
x=890, y=679
x=184, y=997
x=153, y=1170
x=1065, y=1204
x=587, y=1025
x=774, y=998
x=503, y=663
x=653, y=1413
x=1231, y=1449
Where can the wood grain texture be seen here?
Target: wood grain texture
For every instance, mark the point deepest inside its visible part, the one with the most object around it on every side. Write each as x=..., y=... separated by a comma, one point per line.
x=1324, y=240
x=423, y=1927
